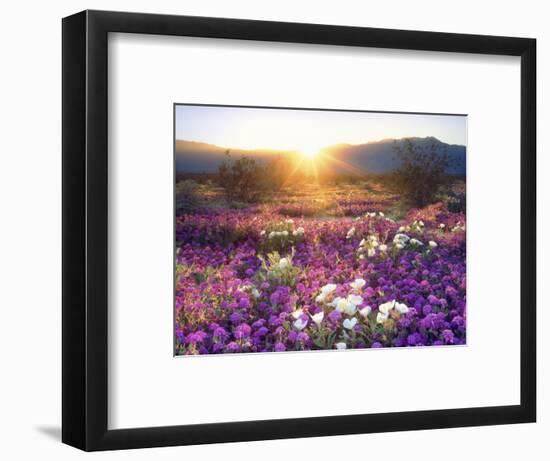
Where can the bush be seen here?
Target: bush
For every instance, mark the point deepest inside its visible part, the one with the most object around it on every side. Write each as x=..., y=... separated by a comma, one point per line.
x=423, y=172
x=241, y=178
x=246, y=180
x=186, y=195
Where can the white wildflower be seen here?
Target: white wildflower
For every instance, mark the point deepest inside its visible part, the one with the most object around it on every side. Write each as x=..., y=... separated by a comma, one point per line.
x=458, y=227
x=318, y=318
x=432, y=244
x=357, y=284
x=341, y=346
x=381, y=317
x=386, y=307
x=328, y=288
x=402, y=308
x=350, y=323
x=300, y=324
x=365, y=311
x=326, y=291
x=283, y=263
x=401, y=238
x=340, y=304
x=355, y=299
x=350, y=308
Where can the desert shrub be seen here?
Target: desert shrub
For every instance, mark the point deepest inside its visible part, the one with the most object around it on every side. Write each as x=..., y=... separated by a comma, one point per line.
x=246, y=180
x=423, y=172
x=456, y=202
x=186, y=195
x=241, y=178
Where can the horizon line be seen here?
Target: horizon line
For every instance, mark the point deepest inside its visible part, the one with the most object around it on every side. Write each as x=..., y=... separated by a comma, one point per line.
x=324, y=147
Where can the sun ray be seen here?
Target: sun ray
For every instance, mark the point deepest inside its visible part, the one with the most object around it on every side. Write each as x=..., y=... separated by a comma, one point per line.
x=346, y=166
x=293, y=172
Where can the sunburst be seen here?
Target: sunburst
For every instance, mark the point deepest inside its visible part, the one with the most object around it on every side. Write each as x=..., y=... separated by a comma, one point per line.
x=310, y=151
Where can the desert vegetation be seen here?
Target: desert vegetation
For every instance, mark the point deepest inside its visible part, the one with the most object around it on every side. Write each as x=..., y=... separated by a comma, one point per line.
x=273, y=257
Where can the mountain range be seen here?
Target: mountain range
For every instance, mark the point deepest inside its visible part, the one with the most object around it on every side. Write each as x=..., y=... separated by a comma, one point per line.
x=372, y=157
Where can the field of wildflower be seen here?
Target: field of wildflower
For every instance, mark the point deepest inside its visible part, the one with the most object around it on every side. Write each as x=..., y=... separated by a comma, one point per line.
x=317, y=270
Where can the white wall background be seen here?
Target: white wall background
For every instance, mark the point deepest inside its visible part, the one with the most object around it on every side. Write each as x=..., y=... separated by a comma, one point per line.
x=30, y=226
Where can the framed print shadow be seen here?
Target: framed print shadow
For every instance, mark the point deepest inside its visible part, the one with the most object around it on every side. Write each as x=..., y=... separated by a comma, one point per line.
x=280, y=230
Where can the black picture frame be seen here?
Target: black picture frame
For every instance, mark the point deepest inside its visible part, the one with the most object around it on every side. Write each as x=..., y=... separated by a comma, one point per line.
x=85, y=223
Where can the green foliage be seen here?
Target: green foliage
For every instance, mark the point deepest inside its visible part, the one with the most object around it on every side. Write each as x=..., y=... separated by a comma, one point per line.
x=422, y=174
x=281, y=236
x=278, y=270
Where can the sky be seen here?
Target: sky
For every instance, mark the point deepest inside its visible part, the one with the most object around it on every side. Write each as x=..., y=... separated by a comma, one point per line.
x=308, y=130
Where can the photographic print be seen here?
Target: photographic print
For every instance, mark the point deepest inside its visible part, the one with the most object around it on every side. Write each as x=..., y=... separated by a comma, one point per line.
x=313, y=229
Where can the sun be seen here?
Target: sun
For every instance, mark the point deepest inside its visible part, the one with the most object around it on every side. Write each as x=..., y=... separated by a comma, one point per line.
x=309, y=152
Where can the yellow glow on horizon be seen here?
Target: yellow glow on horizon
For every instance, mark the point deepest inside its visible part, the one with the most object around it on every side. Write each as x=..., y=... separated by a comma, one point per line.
x=309, y=152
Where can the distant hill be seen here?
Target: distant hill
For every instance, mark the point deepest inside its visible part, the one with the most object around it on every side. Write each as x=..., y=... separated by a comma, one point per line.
x=380, y=156
x=373, y=157
x=200, y=157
